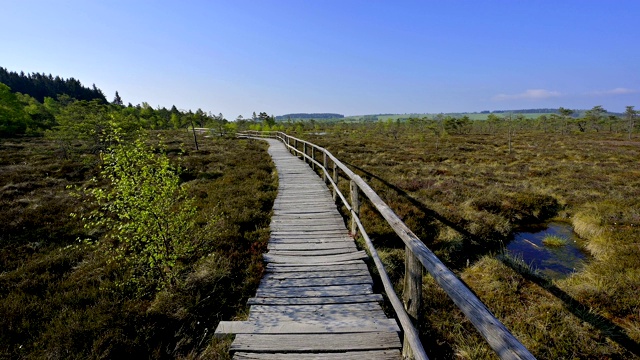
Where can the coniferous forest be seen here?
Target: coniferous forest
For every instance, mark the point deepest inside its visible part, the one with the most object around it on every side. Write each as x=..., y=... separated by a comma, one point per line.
x=39, y=86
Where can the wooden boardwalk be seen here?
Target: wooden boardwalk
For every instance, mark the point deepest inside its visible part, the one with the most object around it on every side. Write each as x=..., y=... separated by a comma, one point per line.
x=315, y=300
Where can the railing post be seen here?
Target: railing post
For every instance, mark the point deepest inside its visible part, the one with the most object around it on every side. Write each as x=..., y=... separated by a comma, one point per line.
x=412, y=294
x=335, y=181
x=313, y=158
x=304, y=152
x=295, y=146
x=325, y=174
x=355, y=207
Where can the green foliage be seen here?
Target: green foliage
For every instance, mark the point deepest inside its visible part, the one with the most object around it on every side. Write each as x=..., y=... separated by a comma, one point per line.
x=457, y=125
x=150, y=216
x=13, y=119
x=40, y=117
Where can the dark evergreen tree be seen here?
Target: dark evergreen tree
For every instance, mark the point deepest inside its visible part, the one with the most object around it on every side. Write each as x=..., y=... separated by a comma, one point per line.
x=117, y=100
x=40, y=86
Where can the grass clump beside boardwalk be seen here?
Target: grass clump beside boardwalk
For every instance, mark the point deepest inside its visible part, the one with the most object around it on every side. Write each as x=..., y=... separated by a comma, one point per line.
x=61, y=299
x=554, y=241
x=464, y=194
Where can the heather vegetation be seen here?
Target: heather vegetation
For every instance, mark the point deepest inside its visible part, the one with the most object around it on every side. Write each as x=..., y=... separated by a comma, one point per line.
x=146, y=273
x=465, y=192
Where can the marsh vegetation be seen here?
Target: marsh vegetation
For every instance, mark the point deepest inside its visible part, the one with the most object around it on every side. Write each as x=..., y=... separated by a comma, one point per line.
x=465, y=195
x=61, y=298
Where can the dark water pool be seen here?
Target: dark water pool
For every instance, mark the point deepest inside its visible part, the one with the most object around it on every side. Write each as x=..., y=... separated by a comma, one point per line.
x=555, y=262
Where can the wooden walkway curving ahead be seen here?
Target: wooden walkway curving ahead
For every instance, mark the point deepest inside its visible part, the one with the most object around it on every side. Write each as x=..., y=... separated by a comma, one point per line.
x=315, y=300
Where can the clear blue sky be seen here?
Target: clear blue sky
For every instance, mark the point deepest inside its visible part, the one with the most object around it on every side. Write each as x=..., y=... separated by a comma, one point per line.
x=344, y=56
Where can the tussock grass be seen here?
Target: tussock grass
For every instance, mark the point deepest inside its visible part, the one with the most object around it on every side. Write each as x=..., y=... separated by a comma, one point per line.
x=554, y=241
x=464, y=197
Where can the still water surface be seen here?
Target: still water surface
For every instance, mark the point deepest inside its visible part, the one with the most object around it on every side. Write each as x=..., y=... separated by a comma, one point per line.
x=555, y=262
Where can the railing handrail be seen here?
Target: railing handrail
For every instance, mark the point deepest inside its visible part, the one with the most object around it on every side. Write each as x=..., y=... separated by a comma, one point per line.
x=490, y=328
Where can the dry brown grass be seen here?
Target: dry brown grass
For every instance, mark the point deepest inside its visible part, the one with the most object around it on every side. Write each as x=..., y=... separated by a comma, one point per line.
x=58, y=298
x=466, y=197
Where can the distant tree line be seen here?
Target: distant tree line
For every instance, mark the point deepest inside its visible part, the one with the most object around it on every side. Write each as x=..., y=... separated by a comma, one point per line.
x=563, y=121
x=40, y=86
x=72, y=118
x=309, y=116
x=524, y=111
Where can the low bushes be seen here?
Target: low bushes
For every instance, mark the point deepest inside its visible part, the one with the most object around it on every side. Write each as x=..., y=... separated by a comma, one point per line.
x=60, y=299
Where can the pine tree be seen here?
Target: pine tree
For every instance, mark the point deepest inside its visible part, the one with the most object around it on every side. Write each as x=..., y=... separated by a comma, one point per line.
x=117, y=100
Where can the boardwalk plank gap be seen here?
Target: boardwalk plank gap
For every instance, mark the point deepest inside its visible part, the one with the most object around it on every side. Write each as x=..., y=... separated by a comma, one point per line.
x=315, y=300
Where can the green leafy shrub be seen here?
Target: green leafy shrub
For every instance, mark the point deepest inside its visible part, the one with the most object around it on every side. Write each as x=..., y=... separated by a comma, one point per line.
x=149, y=217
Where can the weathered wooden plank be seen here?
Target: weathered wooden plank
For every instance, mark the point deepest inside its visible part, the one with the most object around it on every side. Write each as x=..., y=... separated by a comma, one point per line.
x=293, y=191
x=311, y=238
x=302, y=208
x=312, y=252
x=307, y=211
x=317, y=315
x=333, y=214
x=315, y=274
x=307, y=219
x=342, y=231
x=322, y=219
x=312, y=245
x=316, y=224
x=352, y=355
x=352, y=265
x=306, y=228
x=331, y=243
x=315, y=342
x=315, y=202
x=315, y=291
x=326, y=211
x=362, y=306
x=307, y=326
x=313, y=223
x=319, y=201
x=314, y=300
x=308, y=235
x=345, y=280
x=359, y=255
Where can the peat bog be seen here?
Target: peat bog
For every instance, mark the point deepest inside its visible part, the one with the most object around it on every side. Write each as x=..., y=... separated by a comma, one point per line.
x=465, y=195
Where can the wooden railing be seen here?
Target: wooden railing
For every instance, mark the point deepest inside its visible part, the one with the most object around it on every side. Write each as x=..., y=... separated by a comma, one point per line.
x=417, y=256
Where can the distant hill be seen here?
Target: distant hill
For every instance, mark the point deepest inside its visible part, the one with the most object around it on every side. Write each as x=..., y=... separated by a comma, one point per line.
x=40, y=86
x=523, y=111
x=307, y=116
x=480, y=115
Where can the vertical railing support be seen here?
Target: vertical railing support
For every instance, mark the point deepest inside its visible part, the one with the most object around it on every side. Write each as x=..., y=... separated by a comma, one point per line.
x=335, y=181
x=412, y=294
x=325, y=164
x=355, y=207
x=304, y=152
x=295, y=146
x=313, y=158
